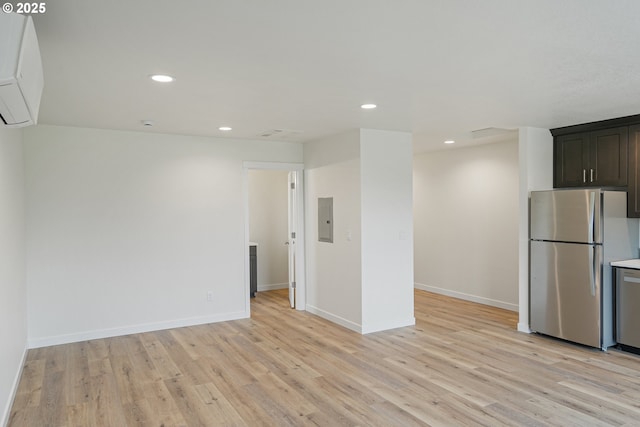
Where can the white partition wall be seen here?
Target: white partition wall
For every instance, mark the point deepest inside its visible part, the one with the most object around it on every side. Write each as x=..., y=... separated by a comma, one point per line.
x=332, y=169
x=13, y=288
x=535, y=151
x=364, y=279
x=387, y=229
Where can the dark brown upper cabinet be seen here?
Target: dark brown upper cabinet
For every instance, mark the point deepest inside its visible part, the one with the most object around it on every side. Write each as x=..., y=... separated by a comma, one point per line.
x=571, y=155
x=633, y=192
x=591, y=156
x=600, y=154
x=608, y=152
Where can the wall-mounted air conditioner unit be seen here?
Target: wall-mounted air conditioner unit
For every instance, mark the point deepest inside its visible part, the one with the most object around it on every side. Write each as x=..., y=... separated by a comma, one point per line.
x=21, y=78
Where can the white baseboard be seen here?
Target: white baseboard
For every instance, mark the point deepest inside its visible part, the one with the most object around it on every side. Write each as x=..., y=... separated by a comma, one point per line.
x=4, y=420
x=136, y=329
x=368, y=329
x=335, y=319
x=467, y=297
x=272, y=287
x=524, y=327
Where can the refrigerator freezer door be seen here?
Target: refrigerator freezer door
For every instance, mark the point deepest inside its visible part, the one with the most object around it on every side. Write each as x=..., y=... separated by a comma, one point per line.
x=566, y=291
x=566, y=216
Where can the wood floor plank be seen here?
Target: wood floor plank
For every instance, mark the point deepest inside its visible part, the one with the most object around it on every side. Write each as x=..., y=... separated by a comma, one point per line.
x=130, y=388
x=610, y=413
x=162, y=361
x=389, y=414
x=97, y=350
x=222, y=366
x=99, y=367
x=224, y=410
x=161, y=402
x=53, y=397
x=462, y=364
x=512, y=415
x=78, y=415
x=77, y=376
x=105, y=407
x=192, y=408
x=346, y=401
x=30, y=387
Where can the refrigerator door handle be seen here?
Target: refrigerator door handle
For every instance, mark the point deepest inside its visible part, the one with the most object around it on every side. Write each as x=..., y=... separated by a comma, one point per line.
x=592, y=215
x=594, y=278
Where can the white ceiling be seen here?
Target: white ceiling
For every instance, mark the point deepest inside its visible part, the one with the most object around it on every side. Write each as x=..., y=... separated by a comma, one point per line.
x=437, y=68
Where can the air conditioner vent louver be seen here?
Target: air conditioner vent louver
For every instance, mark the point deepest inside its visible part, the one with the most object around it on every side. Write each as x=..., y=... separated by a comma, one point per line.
x=21, y=78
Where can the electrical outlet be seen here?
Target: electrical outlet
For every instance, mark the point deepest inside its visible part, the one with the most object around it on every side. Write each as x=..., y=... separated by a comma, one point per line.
x=209, y=296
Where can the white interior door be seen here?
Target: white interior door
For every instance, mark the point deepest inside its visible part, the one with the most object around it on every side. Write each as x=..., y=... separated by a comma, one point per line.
x=292, y=229
x=295, y=229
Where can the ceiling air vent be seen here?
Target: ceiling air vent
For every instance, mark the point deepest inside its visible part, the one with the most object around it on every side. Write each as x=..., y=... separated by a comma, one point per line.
x=280, y=134
x=488, y=132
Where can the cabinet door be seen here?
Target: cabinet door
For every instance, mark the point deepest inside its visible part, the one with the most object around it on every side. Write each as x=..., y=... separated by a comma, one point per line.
x=607, y=164
x=633, y=193
x=571, y=155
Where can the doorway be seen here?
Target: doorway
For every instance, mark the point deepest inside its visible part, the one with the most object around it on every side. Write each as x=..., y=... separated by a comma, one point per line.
x=274, y=209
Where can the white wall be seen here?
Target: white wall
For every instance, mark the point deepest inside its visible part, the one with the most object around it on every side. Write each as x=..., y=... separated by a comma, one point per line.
x=535, y=148
x=332, y=169
x=128, y=231
x=466, y=219
x=13, y=289
x=387, y=229
x=268, y=219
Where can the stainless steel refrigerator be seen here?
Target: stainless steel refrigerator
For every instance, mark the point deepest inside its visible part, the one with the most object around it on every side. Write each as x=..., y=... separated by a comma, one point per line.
x=575, y=234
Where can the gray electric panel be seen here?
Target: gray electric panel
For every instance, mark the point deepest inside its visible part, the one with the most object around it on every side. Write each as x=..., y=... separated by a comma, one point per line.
x=325, y=219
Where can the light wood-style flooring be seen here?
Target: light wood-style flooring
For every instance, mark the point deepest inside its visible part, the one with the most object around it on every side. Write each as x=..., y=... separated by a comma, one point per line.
x=463, y=364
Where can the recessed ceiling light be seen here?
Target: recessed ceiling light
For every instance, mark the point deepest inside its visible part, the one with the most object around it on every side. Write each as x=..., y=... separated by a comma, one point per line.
x=449, y=141
x=161, y=78
x=224, y=128
x=368, y=106
x=147, y=123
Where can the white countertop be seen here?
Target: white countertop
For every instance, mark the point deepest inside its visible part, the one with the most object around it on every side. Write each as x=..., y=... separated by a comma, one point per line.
x=253, y=244
x=629, y=263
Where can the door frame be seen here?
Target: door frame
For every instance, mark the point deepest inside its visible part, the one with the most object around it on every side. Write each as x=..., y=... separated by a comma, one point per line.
x=298, y=168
